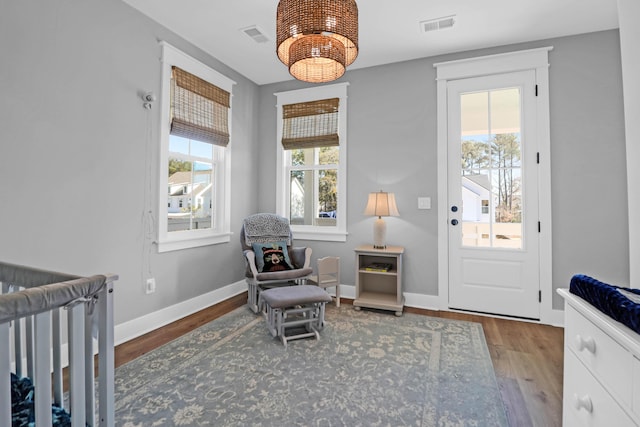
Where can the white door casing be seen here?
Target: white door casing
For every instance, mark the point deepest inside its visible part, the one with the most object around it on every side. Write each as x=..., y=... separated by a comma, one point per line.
x=466, y=262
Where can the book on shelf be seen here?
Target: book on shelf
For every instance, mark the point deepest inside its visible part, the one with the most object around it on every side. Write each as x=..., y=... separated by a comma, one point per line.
x=378, y=266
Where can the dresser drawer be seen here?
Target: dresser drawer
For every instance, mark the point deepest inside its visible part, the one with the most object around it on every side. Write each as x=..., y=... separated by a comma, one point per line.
x=586, y=402
x=609, y=362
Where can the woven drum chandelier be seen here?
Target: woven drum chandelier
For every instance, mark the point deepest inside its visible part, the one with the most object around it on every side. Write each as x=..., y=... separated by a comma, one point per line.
x=317, y=39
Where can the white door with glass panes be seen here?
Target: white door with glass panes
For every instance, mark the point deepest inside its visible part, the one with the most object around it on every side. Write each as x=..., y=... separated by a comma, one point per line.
x=493, y=195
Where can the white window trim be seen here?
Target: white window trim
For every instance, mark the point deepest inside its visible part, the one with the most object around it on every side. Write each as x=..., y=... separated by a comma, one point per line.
x=310, y=232
x=221, y=230
x=532, y=59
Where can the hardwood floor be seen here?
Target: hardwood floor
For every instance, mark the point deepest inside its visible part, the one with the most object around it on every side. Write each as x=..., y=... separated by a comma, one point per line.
x=527, y=358
x=528, y=361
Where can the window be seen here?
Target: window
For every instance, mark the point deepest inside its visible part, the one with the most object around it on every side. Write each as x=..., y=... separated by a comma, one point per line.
x=195, y=153
x=312, y=147
x=485, y=206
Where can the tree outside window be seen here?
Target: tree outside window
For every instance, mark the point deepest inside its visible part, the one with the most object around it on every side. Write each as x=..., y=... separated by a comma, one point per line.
x=500, y=158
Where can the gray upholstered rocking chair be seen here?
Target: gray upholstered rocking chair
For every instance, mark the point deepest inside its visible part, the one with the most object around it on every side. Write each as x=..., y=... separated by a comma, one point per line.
x=270, y=258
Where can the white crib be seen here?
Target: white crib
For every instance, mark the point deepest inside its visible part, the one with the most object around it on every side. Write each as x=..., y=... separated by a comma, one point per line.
x=34, y=306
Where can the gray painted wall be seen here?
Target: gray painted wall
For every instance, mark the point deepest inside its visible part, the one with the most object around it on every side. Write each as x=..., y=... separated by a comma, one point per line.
x=78, y=153
x=588, y=160
x=628, y=15
x=392, y=146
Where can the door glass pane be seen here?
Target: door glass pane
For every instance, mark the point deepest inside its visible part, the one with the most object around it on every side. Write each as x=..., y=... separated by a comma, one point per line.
x=505, y=110
x=507, y=216
x=475, y=114
x=476, y=209
x=491, y=156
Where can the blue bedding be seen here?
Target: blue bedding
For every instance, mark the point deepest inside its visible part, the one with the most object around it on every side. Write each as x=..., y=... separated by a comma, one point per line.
x=621, y=304
x=22, y=405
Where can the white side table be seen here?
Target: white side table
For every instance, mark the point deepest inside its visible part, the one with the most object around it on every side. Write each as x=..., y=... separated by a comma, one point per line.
x=377, y=288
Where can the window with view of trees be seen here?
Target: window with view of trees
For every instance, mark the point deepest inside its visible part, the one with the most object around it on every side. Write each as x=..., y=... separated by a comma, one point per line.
x=194, y=182
x=314, y=186
x=311, y=161
x=491, y=156
x=501, y=156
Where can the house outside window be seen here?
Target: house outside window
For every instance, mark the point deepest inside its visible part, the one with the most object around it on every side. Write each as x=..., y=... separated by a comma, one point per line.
x=195, y=153
x=190, y=173
x=311, y=162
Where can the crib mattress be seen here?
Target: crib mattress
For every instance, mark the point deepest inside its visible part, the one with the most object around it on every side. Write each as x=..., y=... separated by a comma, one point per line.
x=621, y=304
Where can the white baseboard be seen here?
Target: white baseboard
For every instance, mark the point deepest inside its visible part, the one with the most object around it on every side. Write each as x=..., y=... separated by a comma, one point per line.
x=134, y=328
x=556, y=318
x=139, y=326
x=427, y=302
x=346, y=291
x=433, y=302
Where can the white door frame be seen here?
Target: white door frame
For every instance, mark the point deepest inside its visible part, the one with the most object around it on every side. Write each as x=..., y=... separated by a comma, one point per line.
x=534, y=59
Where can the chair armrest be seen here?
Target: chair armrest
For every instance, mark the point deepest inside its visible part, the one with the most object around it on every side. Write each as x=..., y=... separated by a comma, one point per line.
x=301, y=257
x=250, y=257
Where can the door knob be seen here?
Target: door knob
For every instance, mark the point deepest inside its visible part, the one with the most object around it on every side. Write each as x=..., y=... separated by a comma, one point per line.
x=454, y=222
x=454, y=209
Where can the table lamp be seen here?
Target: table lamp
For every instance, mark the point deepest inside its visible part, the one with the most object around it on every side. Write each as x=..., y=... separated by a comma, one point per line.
x=381, y=204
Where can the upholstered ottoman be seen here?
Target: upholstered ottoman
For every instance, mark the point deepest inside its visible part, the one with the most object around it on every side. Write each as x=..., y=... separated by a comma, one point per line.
x=294, y=306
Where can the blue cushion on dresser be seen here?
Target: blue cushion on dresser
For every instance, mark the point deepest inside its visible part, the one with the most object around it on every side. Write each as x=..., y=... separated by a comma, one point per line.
x=609, y=299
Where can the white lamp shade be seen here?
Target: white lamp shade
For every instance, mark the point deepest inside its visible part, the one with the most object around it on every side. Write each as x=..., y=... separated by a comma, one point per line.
x=381, y=204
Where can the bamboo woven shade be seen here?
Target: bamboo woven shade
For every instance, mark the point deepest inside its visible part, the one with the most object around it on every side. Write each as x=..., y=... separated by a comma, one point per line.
x=310, y=124
x=199, y=109
x=333, y=27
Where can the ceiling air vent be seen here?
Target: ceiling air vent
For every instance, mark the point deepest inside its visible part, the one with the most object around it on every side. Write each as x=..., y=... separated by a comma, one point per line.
x=256, y=34
x=437, y=24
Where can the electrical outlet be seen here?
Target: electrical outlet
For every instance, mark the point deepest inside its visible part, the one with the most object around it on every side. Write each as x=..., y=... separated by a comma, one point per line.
x=150, y=286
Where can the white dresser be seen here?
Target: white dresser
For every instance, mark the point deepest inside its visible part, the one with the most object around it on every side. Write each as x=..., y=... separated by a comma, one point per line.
x=601, y=368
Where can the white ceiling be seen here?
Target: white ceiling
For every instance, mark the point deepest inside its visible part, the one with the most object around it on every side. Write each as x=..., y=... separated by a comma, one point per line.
x=389, y=31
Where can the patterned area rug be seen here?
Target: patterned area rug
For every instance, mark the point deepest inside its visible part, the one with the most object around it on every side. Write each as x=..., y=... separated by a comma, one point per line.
x=368, y=369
